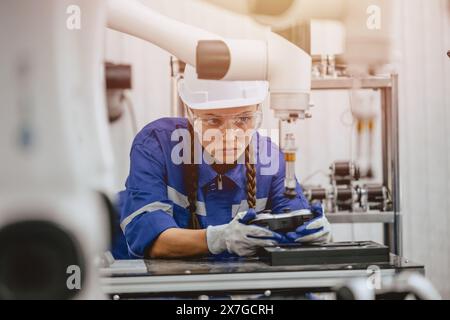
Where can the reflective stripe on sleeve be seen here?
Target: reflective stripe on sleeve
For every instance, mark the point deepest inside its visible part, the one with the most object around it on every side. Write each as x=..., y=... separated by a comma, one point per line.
x=153, y=207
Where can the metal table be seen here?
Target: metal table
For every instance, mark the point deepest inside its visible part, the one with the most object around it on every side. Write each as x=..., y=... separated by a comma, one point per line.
x=194, y=278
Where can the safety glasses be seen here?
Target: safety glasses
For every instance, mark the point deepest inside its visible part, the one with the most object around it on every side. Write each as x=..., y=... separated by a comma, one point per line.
x=244, y=121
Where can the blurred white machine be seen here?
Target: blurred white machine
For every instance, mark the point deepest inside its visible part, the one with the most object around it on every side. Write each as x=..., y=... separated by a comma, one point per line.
x=56, y=153
x=405, y=286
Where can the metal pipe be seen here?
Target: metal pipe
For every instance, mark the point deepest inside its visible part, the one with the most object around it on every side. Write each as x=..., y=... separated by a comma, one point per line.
x=396, y=166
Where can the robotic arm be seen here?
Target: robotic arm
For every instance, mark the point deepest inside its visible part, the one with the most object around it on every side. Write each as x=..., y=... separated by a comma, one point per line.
x=217, y=58
x=229, y=59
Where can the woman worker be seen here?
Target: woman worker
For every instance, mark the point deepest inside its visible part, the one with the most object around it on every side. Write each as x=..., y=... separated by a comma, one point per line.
x=179, y=204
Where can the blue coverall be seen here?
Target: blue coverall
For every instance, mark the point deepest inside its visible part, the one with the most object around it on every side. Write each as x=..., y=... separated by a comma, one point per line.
x=156, y=199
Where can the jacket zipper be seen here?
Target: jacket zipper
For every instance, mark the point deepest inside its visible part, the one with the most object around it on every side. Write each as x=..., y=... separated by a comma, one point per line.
x=220, y=182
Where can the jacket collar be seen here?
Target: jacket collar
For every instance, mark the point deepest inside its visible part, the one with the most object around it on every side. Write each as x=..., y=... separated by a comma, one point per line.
x=207, y=175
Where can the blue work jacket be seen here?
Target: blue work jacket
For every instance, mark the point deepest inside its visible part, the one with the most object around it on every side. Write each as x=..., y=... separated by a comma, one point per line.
x=155, y=198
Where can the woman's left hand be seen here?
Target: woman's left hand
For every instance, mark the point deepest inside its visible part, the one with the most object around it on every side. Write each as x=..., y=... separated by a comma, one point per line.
x=317, y=230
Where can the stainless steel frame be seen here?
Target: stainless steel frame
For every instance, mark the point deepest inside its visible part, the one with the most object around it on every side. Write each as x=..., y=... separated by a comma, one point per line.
x=388, y=87
x=261, y=282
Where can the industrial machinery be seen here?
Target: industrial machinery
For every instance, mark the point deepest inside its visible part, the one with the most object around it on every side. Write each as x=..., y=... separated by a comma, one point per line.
x=118, y=82
x=345, y=194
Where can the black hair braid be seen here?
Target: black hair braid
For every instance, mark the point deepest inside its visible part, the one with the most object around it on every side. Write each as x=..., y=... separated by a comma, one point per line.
x=251, y=179
x=193, y=184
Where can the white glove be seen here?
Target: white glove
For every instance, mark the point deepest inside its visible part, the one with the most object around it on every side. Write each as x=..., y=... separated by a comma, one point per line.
x=239, y=238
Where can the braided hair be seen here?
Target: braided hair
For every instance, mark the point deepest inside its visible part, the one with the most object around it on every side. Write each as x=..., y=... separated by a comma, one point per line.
x=250, y=169
x=192, y=171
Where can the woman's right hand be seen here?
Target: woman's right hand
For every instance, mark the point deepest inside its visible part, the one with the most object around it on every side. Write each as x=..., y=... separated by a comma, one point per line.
x=239, y=238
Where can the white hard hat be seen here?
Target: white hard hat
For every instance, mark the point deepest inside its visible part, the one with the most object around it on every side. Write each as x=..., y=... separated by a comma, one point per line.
x=219, y=94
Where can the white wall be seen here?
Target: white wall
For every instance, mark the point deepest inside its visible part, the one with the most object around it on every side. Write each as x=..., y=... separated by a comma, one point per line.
x=425, y=135
x=423, y=38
